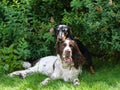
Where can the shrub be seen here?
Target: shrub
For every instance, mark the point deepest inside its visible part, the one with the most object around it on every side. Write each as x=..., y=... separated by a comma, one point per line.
x=12, y=56
x=13, y=29
x=25, y=25
x=96, y=23
x=41, y=42
x=22, y=35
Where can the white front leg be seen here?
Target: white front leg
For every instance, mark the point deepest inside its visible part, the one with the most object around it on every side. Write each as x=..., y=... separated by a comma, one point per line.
x=44, y=82
x=53, y=77
x=76, y=82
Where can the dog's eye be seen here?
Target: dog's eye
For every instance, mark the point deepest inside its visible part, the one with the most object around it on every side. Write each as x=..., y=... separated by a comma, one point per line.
x=64, y=45
x=65, y=29
x=71, y=45
x=57, y=31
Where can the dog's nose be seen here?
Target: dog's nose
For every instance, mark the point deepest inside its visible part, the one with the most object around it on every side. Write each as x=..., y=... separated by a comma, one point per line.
x=60, y=39
x=67, y=51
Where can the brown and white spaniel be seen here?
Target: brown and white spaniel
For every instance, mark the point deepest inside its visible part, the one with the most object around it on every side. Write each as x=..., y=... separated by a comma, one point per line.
x=67, y=65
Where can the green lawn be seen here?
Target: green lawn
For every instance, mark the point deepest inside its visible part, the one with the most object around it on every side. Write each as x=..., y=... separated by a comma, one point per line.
x=106, y=77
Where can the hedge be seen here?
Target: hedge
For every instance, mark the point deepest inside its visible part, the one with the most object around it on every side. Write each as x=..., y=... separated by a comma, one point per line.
x=25, y=25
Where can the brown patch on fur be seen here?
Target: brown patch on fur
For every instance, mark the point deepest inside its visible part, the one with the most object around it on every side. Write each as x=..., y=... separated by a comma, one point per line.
x=77, y=56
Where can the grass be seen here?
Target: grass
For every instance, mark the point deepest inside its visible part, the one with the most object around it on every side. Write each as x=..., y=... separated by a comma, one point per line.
x=106, y=77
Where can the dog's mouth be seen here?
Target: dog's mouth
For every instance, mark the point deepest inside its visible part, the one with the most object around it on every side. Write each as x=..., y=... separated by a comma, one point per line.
x=67, y=59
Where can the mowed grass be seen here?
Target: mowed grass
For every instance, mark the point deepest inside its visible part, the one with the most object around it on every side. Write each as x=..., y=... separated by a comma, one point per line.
x=106, y=77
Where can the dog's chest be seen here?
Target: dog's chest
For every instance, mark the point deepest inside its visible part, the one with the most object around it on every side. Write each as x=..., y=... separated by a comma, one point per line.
x=70, y=73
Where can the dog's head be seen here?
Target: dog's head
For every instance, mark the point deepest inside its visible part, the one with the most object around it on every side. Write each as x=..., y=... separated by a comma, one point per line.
x=69, y=52
x=62, y=32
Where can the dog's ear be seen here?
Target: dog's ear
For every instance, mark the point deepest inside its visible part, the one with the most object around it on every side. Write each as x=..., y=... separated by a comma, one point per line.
x=70, y=32
x=58, y=48
x=55, y=31
x=55, y=28
x=77, y=56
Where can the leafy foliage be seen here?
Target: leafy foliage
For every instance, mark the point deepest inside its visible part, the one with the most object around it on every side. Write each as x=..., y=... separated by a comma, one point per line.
x=96, y=24
x=25, y=25
x=12, y=56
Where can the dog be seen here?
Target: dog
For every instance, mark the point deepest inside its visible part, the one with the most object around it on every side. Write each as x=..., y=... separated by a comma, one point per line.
x=61, y=32
x=67, y=65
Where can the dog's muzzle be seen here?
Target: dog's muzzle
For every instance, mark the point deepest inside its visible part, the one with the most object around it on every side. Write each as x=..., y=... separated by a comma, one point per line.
x=67, y=56
x=61, y=36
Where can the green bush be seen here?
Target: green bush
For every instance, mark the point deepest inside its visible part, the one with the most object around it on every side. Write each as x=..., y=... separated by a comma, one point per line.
x=22, y=35
x=11, y=57
x=25, y=25
x=96, y=24
x=41, y=42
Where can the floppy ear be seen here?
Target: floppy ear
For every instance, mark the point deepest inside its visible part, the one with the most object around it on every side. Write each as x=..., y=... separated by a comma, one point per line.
x=55, y=31
x=77, y=56
x=59, y=49
x=70, y=33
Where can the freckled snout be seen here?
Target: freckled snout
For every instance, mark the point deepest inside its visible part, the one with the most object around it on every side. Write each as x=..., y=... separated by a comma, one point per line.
x=67, y=53
x=61, y=36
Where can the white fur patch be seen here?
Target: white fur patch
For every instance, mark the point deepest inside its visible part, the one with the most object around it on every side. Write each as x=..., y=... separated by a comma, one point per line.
x=26, y=65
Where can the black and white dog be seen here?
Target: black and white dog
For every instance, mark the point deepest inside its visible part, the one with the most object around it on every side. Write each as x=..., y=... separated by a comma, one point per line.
x=61, y=32
x=67, y=65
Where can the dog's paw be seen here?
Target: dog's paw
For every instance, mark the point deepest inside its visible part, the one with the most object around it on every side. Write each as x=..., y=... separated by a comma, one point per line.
x=22, y=75
x=45, y=82
x=76, y=82
x=10, y=75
